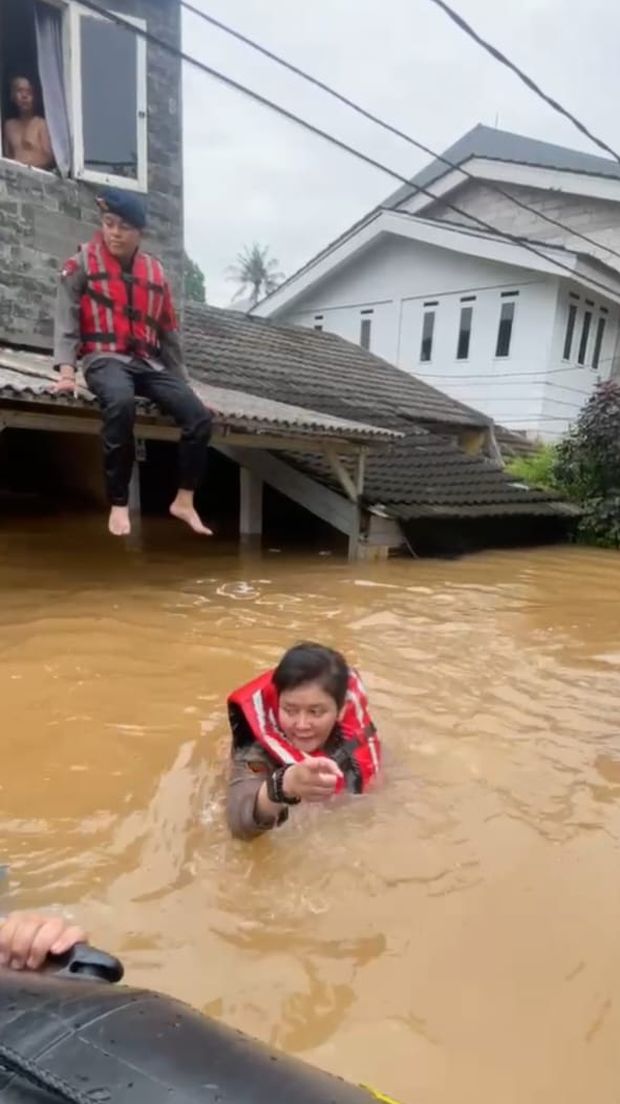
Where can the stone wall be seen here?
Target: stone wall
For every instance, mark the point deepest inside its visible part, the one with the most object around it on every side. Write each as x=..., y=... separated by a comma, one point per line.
x=44, y=218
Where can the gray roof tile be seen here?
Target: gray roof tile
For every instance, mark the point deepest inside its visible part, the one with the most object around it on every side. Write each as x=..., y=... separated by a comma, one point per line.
x=29, y=376
x=317, y=370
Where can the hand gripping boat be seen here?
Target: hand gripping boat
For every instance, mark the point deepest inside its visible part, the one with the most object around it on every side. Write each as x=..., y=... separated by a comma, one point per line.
x=66, y=1035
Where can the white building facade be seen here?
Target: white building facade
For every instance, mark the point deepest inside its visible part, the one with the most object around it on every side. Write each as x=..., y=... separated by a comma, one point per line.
x=521, y=330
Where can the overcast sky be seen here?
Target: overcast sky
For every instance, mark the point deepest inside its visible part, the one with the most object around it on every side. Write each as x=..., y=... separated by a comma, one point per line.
x=252, y=176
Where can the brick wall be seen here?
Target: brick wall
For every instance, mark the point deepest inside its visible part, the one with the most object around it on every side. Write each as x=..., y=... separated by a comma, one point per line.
x=44, y=218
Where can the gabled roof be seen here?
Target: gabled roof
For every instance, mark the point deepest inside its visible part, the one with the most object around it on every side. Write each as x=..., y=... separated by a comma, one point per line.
x=318, y=370
x=546, y=257
x=502, y=145
x=478, y=145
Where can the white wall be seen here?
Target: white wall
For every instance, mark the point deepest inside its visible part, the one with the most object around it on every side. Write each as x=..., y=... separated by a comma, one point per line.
x=532, y=389
x=397, y=276
x=569, y=384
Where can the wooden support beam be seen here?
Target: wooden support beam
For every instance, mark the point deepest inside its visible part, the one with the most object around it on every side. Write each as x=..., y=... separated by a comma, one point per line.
x=321, y=501
x=135, y=504
x=251, y=503
x=69, y=422
x=348, y=484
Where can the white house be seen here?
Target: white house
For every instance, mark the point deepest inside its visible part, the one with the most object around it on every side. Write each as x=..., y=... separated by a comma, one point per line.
x=520, y=329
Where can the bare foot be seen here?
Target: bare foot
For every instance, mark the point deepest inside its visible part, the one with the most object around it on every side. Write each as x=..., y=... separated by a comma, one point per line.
x=190, y=516
x=119, y=523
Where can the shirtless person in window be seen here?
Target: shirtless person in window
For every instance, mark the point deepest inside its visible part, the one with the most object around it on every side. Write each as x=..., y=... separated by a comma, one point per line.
x=26, y=138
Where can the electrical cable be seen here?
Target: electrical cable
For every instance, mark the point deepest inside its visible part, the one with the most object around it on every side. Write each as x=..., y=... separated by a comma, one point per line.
x=531, y=84
x=324, y=87
x=155, y=40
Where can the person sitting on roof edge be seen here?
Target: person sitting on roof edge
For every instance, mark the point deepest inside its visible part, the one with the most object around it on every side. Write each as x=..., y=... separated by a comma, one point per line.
x=114, y=312
x=300, y=733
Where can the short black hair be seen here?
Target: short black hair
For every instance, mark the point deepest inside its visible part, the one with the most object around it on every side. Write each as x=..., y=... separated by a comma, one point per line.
x=309, y=662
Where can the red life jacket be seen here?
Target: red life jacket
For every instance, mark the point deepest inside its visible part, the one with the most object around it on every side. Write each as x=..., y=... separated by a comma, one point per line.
x=122, y=312
x=256, y=704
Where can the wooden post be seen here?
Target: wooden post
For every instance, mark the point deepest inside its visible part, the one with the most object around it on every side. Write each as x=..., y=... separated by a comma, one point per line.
x=134, y=492
x=250, y=506
x=135, y=503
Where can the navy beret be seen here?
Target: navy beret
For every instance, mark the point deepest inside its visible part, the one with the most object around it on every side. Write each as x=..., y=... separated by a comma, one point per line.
x=127, y=205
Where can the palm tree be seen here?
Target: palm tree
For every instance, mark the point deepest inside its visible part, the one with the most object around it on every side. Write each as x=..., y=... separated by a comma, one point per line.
x=256, y=273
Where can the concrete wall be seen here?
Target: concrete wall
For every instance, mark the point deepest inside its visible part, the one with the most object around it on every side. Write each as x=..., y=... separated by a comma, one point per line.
x=44, y=218
x=569, y=384
x=599, y=219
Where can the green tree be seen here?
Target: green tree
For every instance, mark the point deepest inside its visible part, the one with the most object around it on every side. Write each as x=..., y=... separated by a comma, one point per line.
x=588, y=466
x=255, y=272
x=194, y=281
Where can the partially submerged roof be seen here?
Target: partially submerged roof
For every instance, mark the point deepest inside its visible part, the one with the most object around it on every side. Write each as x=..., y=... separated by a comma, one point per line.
x=491, y=144
x=314, y=388
x=317, y=370
x=27, y=378
x=424, y=474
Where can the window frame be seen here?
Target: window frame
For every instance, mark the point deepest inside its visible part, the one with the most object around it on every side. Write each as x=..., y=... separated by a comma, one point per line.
x=63, y=7
x=466, y=308
x=507, y=300
x=365, y=338
x=586, y=333
x=428, y=312
x=599, y=338
x=570, y=330
x=80, y=171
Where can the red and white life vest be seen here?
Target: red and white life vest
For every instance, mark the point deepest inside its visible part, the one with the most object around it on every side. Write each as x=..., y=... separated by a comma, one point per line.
x=122, y=312
x=257, y=703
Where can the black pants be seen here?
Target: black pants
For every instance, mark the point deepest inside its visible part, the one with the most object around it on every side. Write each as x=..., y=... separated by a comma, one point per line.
x=116, y=385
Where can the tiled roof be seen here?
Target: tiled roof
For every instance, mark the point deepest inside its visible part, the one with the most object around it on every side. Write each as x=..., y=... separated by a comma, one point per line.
x=512, y=443
x=28, y=377
x=424, y=475
x=317, y=370
x=427, y=476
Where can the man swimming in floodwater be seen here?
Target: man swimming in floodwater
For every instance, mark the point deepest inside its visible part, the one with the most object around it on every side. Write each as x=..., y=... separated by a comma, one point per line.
x=115, y=313
x=26, y=138
x=28, y=938
x=299, y=733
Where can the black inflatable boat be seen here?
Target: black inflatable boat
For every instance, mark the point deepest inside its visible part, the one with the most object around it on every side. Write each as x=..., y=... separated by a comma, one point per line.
x=68, y=1035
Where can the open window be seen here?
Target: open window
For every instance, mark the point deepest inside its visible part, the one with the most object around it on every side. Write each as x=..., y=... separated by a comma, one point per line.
x=34, y=116
x=89, y=79
x=108, y=86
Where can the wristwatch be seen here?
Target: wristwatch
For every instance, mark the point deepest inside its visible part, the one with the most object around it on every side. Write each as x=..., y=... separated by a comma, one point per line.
x=275, y=788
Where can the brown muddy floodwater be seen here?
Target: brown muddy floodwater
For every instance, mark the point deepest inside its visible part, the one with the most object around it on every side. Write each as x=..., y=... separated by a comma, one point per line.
x=453, y=937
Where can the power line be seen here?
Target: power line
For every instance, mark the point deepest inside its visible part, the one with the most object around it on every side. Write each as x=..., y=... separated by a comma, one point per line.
x=155, y=40
x=491, y=186
x=531, y=84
